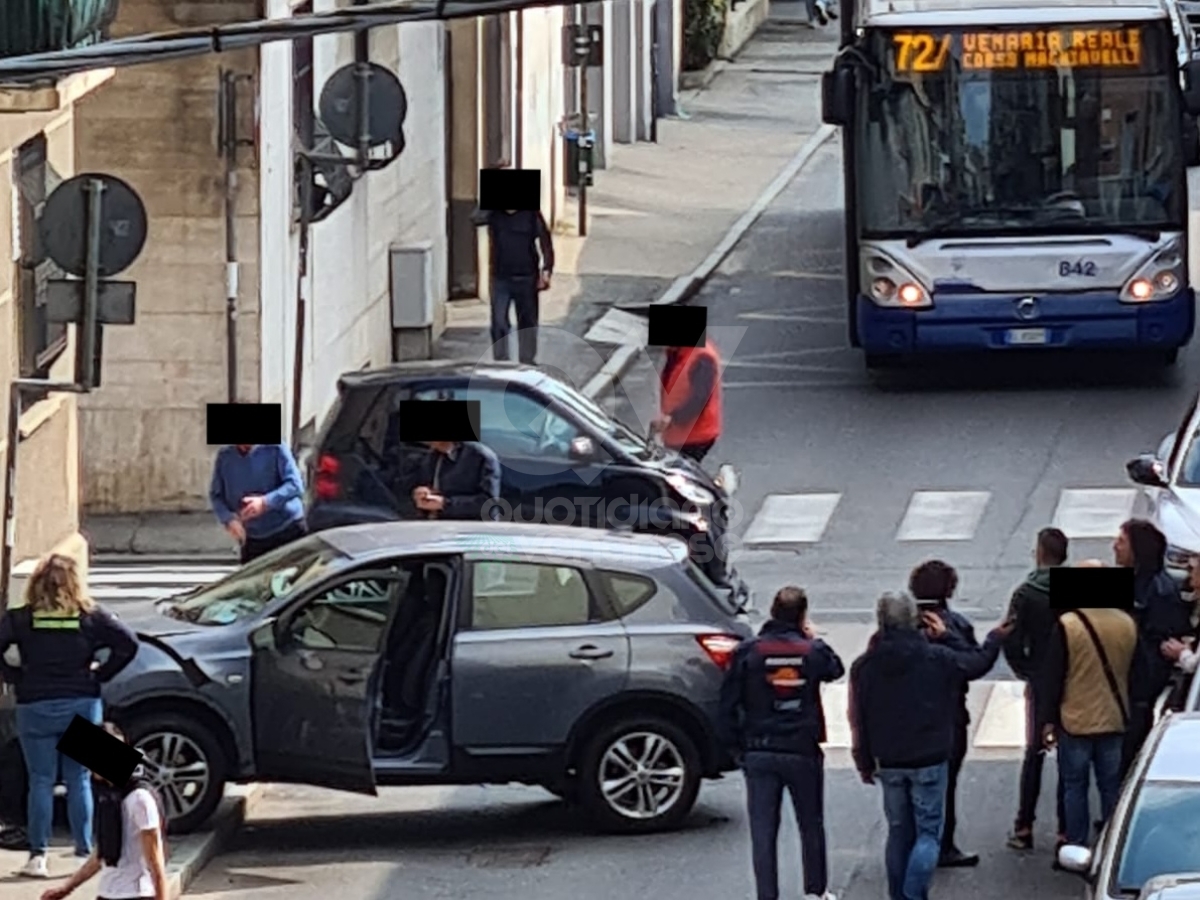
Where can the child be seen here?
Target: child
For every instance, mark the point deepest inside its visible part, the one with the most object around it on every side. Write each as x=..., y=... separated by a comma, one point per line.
x=130, y=852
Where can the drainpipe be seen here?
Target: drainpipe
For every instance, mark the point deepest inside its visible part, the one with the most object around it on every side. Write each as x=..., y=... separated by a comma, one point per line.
x=229, y=148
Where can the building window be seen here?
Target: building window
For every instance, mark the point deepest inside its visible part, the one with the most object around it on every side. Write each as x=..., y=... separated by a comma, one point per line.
x=42, y=342
x=303, y=101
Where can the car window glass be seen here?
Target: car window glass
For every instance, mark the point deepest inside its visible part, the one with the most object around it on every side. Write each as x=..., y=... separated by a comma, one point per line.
x=1189, y=472
x=628, y=592
x=721, y=598
x=1163, y=835
x=247, y=591
x=352, y=615
x=523, y=595
x=512, y=423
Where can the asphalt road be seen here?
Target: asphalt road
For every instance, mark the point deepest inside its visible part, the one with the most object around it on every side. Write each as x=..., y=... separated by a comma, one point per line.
x=833, y=460
x=493, y=843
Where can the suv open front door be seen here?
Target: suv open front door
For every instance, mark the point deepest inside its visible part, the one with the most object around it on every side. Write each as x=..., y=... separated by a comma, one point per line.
x=315, y=680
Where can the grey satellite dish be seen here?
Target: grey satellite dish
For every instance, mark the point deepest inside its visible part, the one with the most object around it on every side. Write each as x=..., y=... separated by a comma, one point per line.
x=62, y=226
x=387, y=106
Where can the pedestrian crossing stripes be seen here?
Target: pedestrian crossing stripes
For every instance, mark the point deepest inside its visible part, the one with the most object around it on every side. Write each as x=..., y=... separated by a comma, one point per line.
x=997, y=716
x=804, y=518
x=122, y=583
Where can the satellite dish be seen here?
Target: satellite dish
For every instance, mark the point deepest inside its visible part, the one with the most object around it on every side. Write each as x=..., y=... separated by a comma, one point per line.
x=63, y=224
x=387, y=105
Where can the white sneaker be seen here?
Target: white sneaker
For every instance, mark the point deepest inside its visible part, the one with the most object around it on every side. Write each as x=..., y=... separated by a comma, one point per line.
x=35, y=867
x=825, y=896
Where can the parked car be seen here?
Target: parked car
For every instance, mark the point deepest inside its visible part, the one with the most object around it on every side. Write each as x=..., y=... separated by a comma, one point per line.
x=554, y=445
x=585, y=661
x=1172, y=887
x=1170, y=490
x=1155, y=829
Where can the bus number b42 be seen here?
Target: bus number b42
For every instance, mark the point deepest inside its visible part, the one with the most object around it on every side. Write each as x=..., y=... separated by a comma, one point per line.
x=1082, y=267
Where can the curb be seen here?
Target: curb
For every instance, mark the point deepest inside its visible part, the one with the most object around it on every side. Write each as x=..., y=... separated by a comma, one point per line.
x=194, y=851
x=688, y=286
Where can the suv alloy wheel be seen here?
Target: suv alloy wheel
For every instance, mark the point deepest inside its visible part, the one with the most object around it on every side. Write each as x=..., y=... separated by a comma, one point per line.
x=186, y=764
x=638, y=775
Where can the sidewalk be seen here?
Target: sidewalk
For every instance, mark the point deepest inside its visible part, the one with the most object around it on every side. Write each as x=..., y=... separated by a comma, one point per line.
x=656, y=214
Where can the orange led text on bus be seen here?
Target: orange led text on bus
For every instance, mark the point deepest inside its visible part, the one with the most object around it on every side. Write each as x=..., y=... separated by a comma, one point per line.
x=1102, y=48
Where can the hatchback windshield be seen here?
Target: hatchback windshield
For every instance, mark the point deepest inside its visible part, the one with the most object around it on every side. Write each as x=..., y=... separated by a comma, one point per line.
x=1163, y=835
x=597, y=417
x=246, y=592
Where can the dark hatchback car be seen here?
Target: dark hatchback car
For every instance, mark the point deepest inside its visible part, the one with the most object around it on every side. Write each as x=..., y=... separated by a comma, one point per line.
x=565, y=460
x=583, y=661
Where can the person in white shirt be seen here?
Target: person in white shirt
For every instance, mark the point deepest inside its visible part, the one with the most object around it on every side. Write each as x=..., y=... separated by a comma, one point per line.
x=130, y=852
x=1184, y=653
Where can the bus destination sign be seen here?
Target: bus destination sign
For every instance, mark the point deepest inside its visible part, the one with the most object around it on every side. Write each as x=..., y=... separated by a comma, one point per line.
x=1054, y=48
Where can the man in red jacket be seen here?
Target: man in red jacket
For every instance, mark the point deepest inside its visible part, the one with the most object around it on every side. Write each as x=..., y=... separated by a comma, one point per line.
x=690, y=420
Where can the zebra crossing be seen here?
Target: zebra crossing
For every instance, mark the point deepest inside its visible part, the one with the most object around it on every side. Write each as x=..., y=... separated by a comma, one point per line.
x=122, y=583
x=804, y=518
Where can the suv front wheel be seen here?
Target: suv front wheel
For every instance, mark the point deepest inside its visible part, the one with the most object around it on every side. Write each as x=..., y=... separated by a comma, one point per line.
x=639, y=775
x=185, y=763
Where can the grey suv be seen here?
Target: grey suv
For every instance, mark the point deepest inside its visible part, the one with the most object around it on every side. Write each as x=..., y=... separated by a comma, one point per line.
x=585, y=661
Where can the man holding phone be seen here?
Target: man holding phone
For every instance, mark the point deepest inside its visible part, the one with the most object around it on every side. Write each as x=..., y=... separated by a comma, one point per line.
x=257, y=495
x=454, y=480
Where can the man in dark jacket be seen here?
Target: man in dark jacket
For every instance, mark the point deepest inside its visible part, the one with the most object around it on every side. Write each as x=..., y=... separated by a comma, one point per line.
x=772, y=720
x=1160, y=613
x=452, y=481
x=932, y=584
x=518, y=238
x=1033, y=621
x=903, y=693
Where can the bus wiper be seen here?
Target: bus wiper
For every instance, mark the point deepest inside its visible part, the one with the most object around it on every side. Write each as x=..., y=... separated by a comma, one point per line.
x=959, y=218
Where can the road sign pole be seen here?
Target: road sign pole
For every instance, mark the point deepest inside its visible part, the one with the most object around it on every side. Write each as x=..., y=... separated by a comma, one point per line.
x=85, y=339
x=583, y=130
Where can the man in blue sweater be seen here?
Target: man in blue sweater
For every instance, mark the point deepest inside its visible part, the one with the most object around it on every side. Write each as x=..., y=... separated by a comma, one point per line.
x=257, y=495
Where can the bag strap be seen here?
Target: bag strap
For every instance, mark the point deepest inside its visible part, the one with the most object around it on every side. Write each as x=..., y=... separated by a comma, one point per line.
x=1108, y=672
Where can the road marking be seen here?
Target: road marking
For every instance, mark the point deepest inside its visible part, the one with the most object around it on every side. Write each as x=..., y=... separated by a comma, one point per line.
x=943, y=515
x=794, y=317
x=139, y=582
x=1093, y=512
x=1002, y=724
x=620, y=327
x=792, y=519
x=835, y=700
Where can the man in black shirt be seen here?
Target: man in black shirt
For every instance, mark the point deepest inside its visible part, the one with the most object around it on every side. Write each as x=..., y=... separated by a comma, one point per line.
x=452, y=481
x=518, y=238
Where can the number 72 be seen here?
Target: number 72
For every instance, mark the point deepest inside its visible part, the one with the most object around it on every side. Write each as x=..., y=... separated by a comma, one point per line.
x=921, y=52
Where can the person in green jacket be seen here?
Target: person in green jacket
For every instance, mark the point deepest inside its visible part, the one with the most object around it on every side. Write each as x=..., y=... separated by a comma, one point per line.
x=1033, y=620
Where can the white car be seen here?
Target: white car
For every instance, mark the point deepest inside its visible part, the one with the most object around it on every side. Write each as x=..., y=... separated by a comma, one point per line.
x=1151, y=846
x=1170, y=490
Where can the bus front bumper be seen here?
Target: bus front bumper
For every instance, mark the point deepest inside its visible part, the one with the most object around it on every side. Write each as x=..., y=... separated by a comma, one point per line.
x=963, y=322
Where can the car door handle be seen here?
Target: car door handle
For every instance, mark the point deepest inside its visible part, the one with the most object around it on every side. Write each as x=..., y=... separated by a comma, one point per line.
x=590, y=651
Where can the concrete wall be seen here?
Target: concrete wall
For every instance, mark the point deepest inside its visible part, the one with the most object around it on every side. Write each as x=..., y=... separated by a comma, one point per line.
x=348, y=309
x=47, y=487
x=543, y=102
x=155, y=126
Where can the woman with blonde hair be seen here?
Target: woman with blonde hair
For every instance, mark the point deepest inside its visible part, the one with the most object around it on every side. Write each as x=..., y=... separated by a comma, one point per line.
x=58, y=632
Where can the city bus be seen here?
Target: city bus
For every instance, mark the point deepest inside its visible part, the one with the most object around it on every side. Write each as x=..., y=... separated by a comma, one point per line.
x=1015, y=175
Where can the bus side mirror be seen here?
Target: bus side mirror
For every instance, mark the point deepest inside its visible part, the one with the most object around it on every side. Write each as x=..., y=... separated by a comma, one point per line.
x=1191, y=93
x=837, y=96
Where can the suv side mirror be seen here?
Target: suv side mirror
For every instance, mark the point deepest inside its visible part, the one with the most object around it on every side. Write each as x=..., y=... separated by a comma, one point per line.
x=1076, y=860
x=1146, y=470
x=837, y=95
x=583, y=449
x=1191, y=91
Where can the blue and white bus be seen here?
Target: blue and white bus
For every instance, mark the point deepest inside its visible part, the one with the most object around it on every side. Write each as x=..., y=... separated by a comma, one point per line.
x=1016, y=175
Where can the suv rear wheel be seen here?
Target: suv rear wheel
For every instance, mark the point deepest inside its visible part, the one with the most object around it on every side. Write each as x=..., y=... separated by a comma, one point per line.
x=638, y=775
x=185, y=762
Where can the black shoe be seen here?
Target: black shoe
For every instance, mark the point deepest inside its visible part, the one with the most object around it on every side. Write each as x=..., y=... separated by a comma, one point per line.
x=956, y=859
x=1020, y=840
x=822, y=18
x=832, y=12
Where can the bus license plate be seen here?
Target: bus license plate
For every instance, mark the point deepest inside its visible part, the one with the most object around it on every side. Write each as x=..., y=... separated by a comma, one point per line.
x=1026, y=336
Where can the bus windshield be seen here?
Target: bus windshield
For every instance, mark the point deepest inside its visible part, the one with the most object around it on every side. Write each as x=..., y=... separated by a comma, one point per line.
x=1003, y=130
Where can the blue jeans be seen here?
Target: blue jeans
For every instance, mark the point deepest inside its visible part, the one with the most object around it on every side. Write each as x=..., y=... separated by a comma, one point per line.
x=1077, y=757
x=40, y=725
x=767, y=776
x=914, y=802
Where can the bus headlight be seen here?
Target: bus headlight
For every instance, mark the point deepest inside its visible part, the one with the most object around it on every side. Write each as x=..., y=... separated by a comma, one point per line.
x=891, y=286
x=1159, y=279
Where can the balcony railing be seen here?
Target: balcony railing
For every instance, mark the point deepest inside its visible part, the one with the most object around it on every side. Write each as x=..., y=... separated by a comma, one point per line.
x=41, y=26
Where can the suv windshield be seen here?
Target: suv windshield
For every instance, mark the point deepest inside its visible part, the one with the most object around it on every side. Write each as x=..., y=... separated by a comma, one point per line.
x=246, y=592
x=1163, y=835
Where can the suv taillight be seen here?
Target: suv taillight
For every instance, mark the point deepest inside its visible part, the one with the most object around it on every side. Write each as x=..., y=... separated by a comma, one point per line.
x=719, y=647
x=327, y=484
